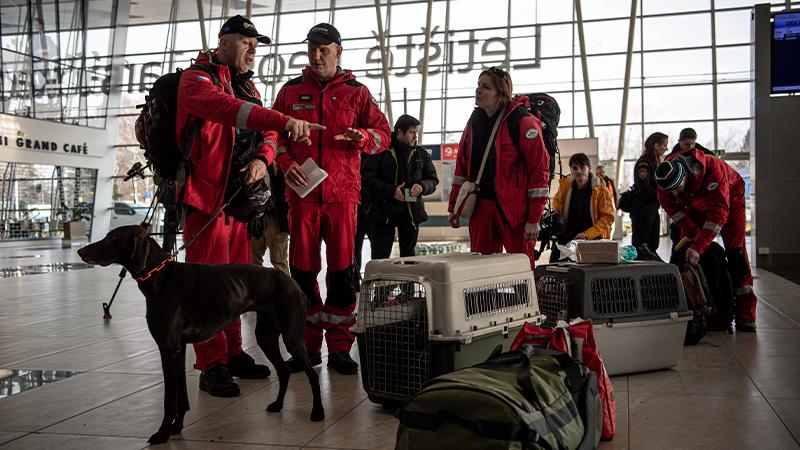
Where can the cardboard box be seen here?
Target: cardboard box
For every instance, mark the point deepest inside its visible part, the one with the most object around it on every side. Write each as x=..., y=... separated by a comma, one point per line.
x=597, y=251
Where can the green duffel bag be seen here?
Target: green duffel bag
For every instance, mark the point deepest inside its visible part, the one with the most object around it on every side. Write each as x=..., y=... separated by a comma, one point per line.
x=532, y=399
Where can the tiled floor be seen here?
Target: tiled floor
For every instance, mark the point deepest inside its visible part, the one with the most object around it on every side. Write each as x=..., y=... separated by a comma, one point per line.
x=731, y=391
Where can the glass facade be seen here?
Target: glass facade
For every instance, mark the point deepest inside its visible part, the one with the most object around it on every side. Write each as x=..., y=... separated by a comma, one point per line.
x=690, y=64
x=681, y=74
x=56, y=59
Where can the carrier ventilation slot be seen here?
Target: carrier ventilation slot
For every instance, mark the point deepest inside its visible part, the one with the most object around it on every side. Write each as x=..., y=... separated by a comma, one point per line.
x=553, y=297
x=498, y=298
x=613, y=296
x=660, y=293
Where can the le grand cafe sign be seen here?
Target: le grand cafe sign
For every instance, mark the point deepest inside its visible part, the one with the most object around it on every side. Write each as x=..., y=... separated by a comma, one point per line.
x=463, y=52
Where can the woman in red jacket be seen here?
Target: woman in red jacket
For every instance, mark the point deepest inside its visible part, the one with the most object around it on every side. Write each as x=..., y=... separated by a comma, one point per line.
x=512, y=190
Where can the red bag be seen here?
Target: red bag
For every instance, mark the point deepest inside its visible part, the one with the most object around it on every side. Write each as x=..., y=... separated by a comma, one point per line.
x=577, y=340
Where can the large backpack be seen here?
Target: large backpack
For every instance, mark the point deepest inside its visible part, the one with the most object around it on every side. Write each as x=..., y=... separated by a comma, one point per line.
x=698, y=295
x=546, y=109
x=532, y=399
x=156, y=124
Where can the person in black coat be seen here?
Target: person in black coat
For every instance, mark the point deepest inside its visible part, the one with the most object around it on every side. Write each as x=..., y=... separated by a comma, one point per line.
x=645, y=219
x=397, y=179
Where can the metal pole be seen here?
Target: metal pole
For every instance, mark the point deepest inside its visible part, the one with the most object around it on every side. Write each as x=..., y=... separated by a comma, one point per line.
x=508, y=37
x=623, y=122
x=202, y=24
x=587, y=92
x=384, y=60
x=333, y=12
x=714, y=73
x=276, y=59
x=249, y=9
x=426, y=53
x=448, y=58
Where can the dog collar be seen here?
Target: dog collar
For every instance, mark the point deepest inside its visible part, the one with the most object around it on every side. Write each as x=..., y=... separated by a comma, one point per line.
x=154, y=270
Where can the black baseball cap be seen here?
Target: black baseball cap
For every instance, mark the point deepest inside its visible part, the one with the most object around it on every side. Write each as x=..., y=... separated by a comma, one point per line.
x=324, y=33
x=240, y=24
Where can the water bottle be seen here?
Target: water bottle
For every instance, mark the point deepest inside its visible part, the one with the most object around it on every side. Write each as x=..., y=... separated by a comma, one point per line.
x=627, y=253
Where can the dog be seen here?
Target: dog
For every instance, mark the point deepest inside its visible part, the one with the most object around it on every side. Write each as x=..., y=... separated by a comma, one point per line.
x=189, y=303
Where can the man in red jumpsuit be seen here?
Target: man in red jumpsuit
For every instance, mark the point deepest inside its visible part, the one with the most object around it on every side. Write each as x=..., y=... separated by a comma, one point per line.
x=208, y=116
x=328, y=95
x=704, y=197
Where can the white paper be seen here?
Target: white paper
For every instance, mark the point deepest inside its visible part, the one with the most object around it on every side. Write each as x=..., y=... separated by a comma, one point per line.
x=314, y=174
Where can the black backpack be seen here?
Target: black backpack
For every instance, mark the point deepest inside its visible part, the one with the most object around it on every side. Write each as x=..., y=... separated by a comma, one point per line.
x=155, y=126
x=546, y=109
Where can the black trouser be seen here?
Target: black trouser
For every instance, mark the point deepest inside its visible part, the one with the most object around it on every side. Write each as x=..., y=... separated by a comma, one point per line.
x=381, y=237
x=646, y=227
x=362, y=230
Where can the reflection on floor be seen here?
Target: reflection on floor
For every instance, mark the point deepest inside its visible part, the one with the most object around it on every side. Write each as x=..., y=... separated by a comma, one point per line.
x=20, y=271
x=731, y=391
x=16, y=381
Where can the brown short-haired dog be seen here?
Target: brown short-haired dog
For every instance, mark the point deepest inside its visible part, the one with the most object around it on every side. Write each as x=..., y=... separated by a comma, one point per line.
x=189, y=303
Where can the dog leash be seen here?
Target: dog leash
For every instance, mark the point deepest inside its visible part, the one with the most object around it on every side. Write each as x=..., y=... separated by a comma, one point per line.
x=214, y=217
x=172, y=257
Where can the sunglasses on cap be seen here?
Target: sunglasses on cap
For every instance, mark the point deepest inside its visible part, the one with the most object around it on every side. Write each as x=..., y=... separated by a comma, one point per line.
x=497, y=71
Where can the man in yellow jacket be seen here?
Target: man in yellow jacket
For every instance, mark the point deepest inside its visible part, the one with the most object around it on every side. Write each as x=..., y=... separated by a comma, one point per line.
x=584, y=204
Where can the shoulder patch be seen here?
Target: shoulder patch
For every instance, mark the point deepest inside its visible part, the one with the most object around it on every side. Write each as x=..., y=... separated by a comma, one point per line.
x=642, y=173
x=353, y=83
x=712, y=186
x=294, y=81
x=531, y=133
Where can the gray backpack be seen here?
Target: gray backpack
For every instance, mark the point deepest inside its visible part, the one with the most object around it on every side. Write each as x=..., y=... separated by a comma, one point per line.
x=532, y=399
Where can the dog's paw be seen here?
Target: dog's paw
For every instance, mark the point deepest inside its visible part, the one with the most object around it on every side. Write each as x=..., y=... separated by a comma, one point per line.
x=318, y=415
x=275, y=407
x=158, y=438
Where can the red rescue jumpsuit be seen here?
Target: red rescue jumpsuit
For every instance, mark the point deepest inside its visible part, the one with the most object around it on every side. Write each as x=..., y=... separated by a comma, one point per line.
x=329, y=211
x=225, y=240
x=521, y=185
x=713, y=203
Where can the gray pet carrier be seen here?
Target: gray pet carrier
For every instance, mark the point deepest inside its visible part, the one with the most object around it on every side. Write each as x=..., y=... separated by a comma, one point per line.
x=639, y=310
x=422, y=316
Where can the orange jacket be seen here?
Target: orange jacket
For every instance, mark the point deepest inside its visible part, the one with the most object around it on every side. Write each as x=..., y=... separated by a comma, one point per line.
x=602, y=208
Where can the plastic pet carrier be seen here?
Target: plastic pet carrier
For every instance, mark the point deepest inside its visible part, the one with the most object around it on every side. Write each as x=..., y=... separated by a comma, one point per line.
x=422, y=316
x=638, y=310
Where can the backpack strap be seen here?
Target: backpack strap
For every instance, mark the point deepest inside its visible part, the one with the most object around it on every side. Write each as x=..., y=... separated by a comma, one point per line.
x=184, y=166
x=575, y=383
x=524, y=382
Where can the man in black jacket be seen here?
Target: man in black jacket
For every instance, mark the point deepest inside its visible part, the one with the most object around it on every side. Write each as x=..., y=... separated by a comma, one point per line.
x=397, y=179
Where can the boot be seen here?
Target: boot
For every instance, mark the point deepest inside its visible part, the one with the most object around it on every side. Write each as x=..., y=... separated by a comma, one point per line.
x=244, y=366
x=296, y=366
x=217, y=381
x=343, y=363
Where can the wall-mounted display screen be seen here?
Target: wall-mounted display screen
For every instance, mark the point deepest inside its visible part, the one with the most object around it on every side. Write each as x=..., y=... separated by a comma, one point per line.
x=786, y=52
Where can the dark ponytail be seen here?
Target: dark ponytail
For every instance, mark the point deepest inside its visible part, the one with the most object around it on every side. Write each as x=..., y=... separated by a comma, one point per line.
x=650, y=145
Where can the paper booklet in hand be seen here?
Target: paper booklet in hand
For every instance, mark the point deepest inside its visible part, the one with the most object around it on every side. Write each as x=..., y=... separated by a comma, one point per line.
x=314, y=174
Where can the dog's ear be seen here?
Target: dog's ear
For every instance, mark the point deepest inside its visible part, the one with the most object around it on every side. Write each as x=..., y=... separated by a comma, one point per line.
x=141, y=250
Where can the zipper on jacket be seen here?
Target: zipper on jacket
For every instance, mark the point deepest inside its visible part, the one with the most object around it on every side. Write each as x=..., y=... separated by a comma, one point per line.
x=320, y=142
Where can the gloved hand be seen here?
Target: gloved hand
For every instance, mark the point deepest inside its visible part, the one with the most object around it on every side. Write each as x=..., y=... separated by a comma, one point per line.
x=257, y=225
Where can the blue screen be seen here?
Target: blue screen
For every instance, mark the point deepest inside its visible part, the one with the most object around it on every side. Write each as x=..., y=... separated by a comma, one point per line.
x=786, y=52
